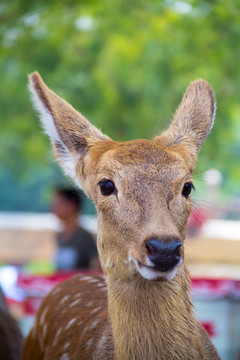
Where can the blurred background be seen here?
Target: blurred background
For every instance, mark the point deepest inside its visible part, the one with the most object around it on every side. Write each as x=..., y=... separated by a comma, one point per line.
x=124, y=65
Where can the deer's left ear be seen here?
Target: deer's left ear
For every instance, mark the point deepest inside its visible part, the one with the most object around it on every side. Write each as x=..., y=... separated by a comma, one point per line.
x=193, y=119
x=71, y=134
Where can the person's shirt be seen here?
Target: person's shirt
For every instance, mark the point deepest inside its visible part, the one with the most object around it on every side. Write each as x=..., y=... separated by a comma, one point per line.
x=76, y=251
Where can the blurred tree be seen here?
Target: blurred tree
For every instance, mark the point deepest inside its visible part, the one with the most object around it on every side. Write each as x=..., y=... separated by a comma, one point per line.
x=124, y=65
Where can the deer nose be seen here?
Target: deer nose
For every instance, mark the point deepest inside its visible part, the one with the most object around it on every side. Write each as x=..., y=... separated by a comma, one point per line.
x=164, y=256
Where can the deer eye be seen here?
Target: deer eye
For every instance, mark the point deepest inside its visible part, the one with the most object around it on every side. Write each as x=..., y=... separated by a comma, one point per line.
x=187, y=188
x=107, y=187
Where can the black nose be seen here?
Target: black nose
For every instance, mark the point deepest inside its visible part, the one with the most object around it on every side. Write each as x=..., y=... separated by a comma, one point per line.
x=165, y=255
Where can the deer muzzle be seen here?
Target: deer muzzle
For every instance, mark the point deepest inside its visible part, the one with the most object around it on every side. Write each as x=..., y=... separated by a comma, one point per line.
x=164, y=256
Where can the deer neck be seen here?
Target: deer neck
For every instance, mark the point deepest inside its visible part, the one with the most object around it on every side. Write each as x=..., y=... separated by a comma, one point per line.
x=152, y=319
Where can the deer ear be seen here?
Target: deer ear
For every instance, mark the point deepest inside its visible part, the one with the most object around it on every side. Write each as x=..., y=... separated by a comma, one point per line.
x=71, y=134
x=193, y=119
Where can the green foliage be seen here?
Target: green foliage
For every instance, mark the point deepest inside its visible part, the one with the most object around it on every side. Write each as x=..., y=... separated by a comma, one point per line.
x=124, y=64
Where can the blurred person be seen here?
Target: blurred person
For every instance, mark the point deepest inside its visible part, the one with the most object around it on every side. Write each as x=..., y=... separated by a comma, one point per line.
x=76, y=248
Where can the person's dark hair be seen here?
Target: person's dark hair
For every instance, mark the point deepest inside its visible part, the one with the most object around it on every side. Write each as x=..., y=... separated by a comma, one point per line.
x=71, y=195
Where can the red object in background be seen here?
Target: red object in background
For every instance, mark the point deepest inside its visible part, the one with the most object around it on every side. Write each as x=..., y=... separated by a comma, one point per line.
x=196, y=220
x=215, y=288
x=31, y=304
x=36, y=287
x=209, y=327
x=42, y=283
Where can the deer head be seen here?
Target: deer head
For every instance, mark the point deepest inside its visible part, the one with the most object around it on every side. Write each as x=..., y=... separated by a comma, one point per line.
x=141, y=188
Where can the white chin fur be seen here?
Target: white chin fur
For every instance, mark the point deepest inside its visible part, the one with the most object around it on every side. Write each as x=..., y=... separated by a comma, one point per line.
x=151, y=274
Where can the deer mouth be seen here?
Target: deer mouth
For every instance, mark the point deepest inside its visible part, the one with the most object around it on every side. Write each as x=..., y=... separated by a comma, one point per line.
x=149, y=272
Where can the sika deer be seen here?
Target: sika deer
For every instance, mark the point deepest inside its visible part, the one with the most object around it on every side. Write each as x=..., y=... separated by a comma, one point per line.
x=11, y=339
x=141, y=190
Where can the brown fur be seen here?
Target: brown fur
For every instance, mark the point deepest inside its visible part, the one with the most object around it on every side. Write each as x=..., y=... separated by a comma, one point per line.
x=11, y=339
x=137, y=318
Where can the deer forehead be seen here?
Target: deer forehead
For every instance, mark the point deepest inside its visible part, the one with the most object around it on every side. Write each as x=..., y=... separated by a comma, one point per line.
x=137, y=161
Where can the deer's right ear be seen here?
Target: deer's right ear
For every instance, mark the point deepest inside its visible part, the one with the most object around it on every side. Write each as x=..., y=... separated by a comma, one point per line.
x=71, y=134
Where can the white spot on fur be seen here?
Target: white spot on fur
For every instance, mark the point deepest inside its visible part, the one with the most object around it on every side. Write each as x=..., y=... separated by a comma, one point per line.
x=94, y=280
x=64, y=357
x=77, y=301
x=44, y=331
x=84, y=330
x=66, y=297
x=66, y=345
x=89, y=343
x=43, y=316
x=56, y=336
x=94, y=324
x=101, y=343
x=56, y=290
x=70, y=323
x=78, y=296
x=85, y=278
x=58, y=332
x=95, y=310
x=100, y=284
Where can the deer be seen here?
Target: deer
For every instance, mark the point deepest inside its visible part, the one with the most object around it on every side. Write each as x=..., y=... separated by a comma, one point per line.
x=141, y=308
x=11, y=339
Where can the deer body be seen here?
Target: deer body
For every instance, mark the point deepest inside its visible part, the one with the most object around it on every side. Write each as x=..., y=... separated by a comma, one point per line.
x=11, y=339
x=74, y=322
x=141, y=190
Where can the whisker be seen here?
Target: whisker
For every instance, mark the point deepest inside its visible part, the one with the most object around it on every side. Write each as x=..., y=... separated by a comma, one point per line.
x=209, y=209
